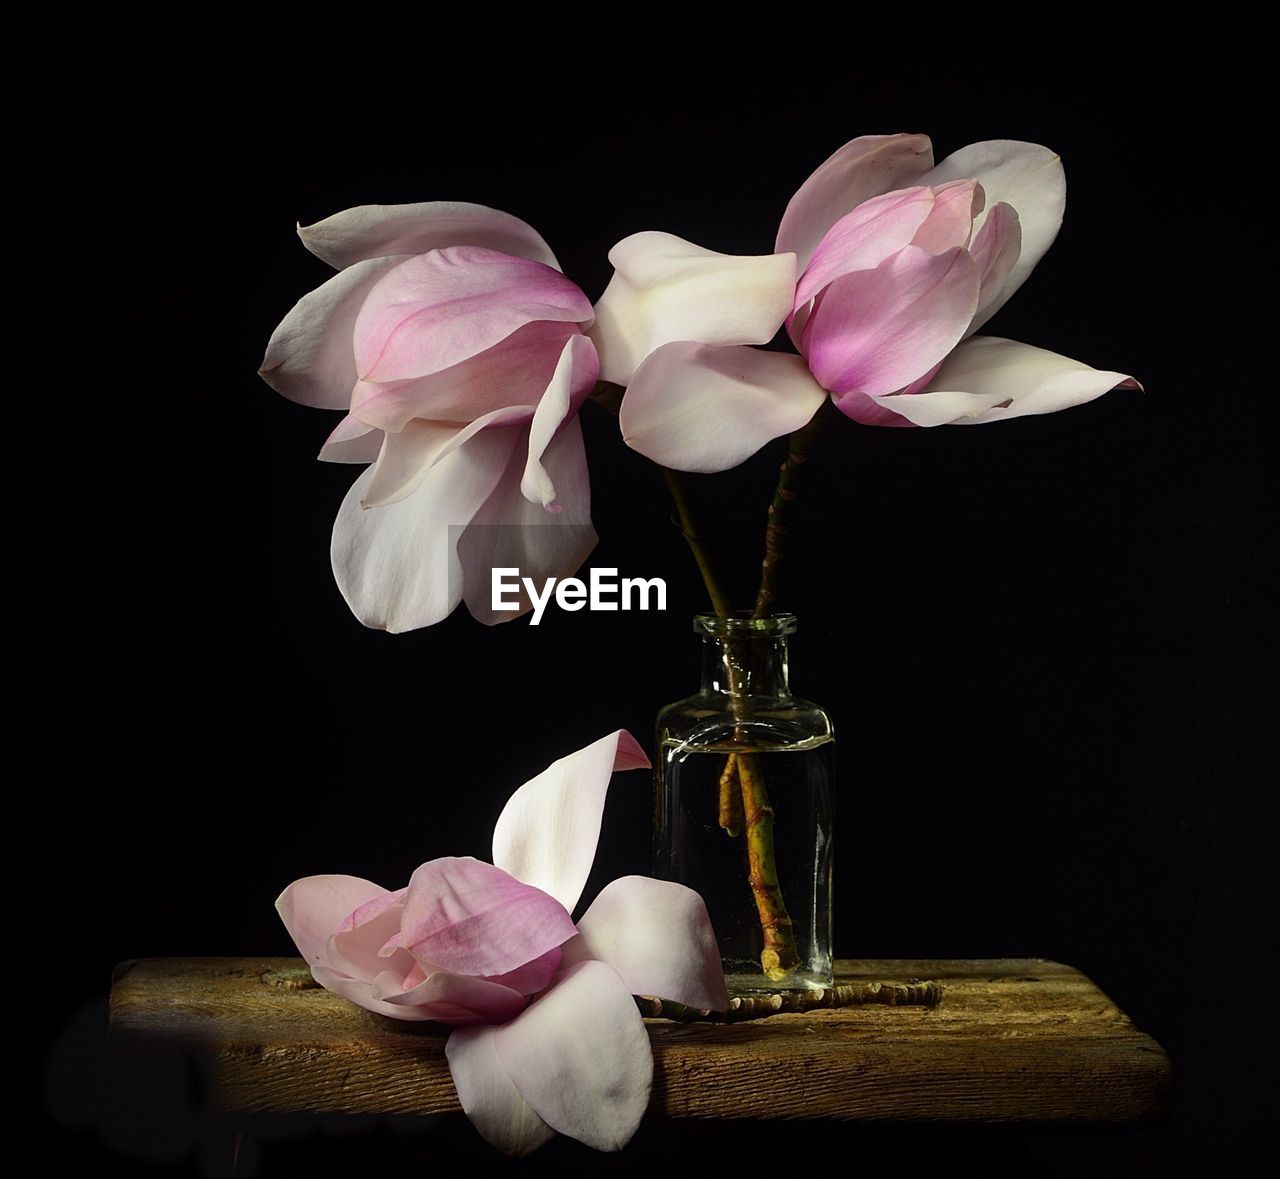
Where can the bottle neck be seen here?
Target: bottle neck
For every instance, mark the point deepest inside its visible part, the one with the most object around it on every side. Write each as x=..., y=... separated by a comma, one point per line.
x=745, y=665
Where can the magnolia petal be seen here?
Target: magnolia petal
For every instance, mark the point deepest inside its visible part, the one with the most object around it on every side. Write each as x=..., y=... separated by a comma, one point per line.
x=665, y=288
x=1020, y=379
x=548, y=831
x=435, y=310
x=311, y=355
x=452, y=998
x=875, y=331
x=533, y=976
x=861, y=169
x=397, y=566
x=569, y=387
x=356, y=952
x=407, y=457
x=372, y=231
x=361, y=993
x=470, y=917
x=509, y=532
x=315, y=907
x=950, y=221
x=656, y=935
x=937, y=408
x=865, y=237
x=580, y=1057
x=488, y=1095
x=515, y=371
x=352, y=441
x=699, y=408
x=995, y=252
x=1028, y=177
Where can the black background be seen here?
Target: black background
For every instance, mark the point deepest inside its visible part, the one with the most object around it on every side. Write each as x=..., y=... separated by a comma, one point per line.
x=1047, y=643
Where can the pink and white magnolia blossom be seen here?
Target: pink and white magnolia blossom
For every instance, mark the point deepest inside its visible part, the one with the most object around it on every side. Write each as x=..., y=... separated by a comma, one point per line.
x=460, y=355
x=547, y=1036
x=900, y=262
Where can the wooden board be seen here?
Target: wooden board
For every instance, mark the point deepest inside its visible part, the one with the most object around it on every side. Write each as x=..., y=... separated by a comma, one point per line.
x=1013, y=1041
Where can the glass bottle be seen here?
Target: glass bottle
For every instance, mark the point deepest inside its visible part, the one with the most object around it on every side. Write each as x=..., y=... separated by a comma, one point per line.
x=743, y=807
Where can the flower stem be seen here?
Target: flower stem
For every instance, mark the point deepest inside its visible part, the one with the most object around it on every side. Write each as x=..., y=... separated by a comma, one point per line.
x=778, y=521
x=721, y=603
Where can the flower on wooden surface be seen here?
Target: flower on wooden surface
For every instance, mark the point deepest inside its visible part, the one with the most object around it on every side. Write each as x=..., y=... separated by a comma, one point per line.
x=547, y=1035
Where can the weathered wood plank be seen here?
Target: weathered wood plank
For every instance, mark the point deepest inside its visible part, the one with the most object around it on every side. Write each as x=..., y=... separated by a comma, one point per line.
x=1013, y=1041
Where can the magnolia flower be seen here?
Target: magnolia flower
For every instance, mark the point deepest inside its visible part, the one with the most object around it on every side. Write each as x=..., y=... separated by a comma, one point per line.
x=548, y=1037
x=900, y=263
x=458, y=350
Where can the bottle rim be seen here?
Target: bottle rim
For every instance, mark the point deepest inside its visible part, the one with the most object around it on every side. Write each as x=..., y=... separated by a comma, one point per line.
x=743, y=624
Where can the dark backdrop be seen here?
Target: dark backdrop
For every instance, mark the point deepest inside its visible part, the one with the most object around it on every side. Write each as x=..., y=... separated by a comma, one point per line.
x=1045, y=643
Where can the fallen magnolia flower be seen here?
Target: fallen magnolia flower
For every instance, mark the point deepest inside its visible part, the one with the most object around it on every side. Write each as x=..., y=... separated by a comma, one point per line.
x=548, y=1037
x=900, y=262
x=458, y=350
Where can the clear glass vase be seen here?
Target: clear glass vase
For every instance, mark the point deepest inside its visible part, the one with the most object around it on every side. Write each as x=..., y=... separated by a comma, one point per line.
x=744, y=805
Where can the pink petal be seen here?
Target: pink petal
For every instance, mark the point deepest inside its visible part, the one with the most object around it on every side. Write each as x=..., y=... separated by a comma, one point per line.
x=352, y=441
x=1028, y=177
x=488, y=1096
x=361, y=993
x=314, y=908
x=574, y=378
x=408, y=456
x=533, y=976
x=699, y=408
x=356, y=952
x=995, y=251
x=657, y=937
x=509, y=532
x=374, y=908
x=469, y=917
x=580, y=1057
x=665, y=288
x=877, y=330
x=1001, y=379
x=311, y=355
x=438, y=309
x=515, y=371
x=548, y=831
x=950, y=223
x=397, y=566
x=372, y=231
x=452, y=998
x=862, y=169
x=865, y=237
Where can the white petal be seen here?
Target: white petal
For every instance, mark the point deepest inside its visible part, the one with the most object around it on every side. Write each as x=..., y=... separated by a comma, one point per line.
x=665, y=288
x=1028, y=177
x=509, y=532
x=489, y=1097
x=397, y=566
x=373, y=231
x=352, y=441
x=580, y=1057
x=699, y=408
x=408, y=456
x=547, y=833
x=991, y=371
x=570, y=385
x=311, y=355
x=657, y=937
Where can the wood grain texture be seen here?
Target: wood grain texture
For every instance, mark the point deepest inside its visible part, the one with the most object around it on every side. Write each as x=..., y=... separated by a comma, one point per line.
x=1013, y=1041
